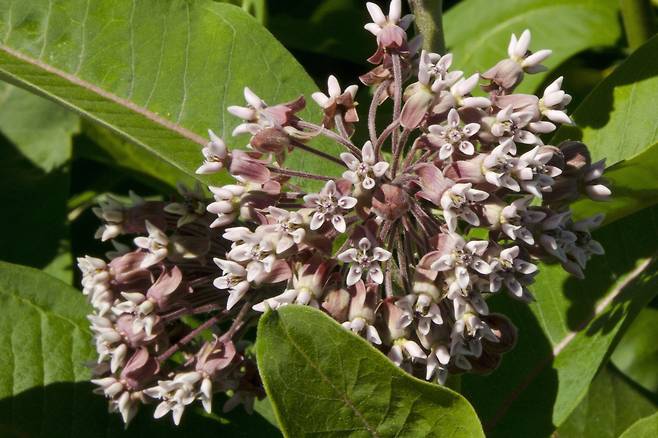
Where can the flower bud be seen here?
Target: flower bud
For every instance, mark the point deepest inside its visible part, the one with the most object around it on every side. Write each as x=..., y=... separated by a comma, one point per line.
x=390, y=202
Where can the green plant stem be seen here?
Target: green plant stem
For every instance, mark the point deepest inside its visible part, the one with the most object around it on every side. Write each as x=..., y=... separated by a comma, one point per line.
x=639, y=21
x=429, y=23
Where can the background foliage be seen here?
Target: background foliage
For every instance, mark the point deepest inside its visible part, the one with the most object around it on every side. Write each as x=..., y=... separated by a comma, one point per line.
x=149, y=77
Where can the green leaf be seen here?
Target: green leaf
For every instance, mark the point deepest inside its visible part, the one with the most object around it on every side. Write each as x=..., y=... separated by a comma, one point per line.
x=478, y=32
x=158, y=73
x=35, y=149
x=114, y=151
x=611, y=405
x=324, y=380
x=617, y=123
x=45, y=345
x=637, y=352
x=567, y=333
x=645, y=428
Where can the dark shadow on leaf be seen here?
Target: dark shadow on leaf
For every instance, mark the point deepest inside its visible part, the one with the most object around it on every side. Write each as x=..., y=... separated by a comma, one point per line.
x=601, y=102
x=33, y=216
x=501, y=399
x=71, y=410
x=625, y=241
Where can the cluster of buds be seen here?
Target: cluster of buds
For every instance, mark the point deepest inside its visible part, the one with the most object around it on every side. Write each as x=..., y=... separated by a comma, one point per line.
x=457, y=199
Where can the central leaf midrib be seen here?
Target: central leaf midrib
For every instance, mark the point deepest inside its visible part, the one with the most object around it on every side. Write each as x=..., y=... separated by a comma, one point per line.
x=342, y=395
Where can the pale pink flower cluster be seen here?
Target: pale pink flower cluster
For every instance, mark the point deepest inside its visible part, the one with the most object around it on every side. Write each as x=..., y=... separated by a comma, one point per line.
x=458, y=198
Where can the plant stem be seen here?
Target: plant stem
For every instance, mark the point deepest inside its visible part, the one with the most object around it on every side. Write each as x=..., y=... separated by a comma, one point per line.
x=638, y=19
x=372, y=112
x=331, y=135
x=307, y=148
x=191, y=335
x=288, y=172
x=429, y=23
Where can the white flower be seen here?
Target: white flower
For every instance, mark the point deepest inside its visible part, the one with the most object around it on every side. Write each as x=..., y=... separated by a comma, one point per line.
x=499, y=166
x=461, y=256
x=176, y=394
x=365, y=171
x=466, y=337
x=462, y=88
x=506, y=269
x=234, y=280
x=329, y=205
x=227, y=203
x=434, y=68
x=96, y=283
x=518, y=49
x=333, y=88
x=288, y=228
x=394, y=18
x=215, y=154
x=364, y=259
x=406, y=349
x=360, y=325
x=156, y=244
x=252, y=249
x=426, y=309
x=553, y=103
x=509, y=124
x=516, y=217
x=452, y=137
x=535, y=175
x=142, y=308
x=251, y=114
x=457, y=201
x=111, y=211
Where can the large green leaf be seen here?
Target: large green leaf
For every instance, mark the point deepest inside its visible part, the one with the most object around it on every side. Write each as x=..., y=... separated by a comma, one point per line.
x=35, y=149
x=324, y=380
x=567, y=333
x=159, y=73
x=46, y=345
x=645, y=428
x=478, y=31
x=637, y=352
x=609, y=408
x=618, y=122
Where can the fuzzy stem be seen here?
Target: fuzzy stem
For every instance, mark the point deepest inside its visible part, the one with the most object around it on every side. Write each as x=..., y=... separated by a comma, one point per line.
x=372, y=113
x=384, y=135
x=429, y=22
x=190, y=336
x=288, y=172
x=397, y=102
x=307, y=148
x=398, y=152
x=340, y=125
x=331, y=135
x=638, y=19
x=237, y=322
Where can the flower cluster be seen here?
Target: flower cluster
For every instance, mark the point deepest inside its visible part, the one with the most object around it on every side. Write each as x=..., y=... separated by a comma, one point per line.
x=457, y=199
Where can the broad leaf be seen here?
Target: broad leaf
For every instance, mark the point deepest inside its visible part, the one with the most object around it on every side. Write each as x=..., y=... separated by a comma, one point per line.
x=617, y=121
x=645, y=428
x=478, y=31
x=46, y=345
x=324, y=380
x=35, y=149
x=611, y=405
x=637, y=352
x=114, y=151
x=566, y=334
x=158, y=73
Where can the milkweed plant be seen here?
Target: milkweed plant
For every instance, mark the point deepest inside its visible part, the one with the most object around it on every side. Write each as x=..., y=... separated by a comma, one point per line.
x=456, y=197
